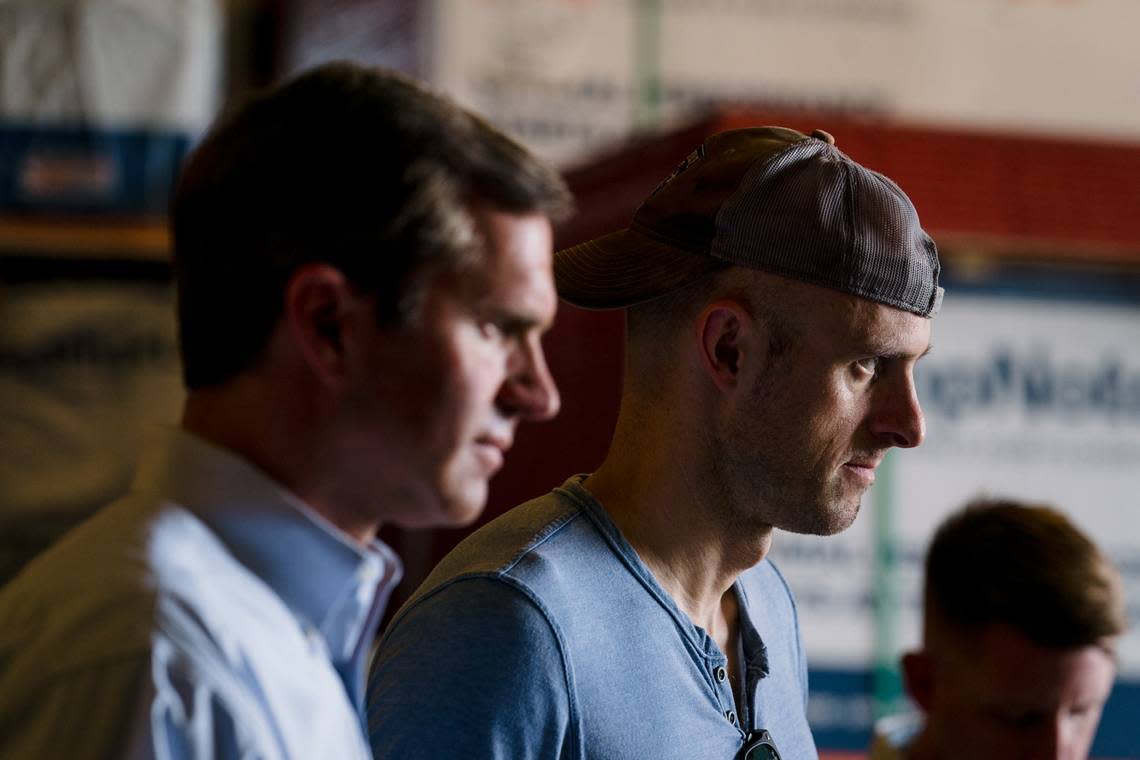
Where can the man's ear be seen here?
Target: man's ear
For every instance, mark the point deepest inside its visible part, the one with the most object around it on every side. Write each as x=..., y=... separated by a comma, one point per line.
x=918, y=677
x=726, y=335
x=318, y=301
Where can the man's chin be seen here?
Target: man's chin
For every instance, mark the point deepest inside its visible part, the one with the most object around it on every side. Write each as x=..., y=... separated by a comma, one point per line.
x=843, y=523
x=844, y=516
x=832, y=519
x=464, y=507
x=444, y=507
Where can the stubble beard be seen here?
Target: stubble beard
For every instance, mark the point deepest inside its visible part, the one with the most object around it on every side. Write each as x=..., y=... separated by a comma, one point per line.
x=766, y=478
x=763, y=489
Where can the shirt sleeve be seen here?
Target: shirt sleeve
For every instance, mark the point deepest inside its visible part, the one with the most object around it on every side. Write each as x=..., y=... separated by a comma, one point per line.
x=192, y=706
x=474, y=669
x=137, y=707
x=186, y=716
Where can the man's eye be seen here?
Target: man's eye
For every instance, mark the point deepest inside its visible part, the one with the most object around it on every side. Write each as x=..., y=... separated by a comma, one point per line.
x=502, y=333
x=1020, y=720
x=1083, y=710
x=491, y=330
x=870, y=365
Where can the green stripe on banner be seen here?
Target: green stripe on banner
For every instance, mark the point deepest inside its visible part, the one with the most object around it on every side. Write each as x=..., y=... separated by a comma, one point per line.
x=647, y=64
x=887, y=690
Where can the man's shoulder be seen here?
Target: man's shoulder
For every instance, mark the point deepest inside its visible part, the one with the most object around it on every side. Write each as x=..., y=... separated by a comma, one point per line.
x=518, y=543
x=139, y=570
x=541, y=559
x=91, y=590
x=141, y=596
x=88, y=611
x=207, y=603
x=490, y=608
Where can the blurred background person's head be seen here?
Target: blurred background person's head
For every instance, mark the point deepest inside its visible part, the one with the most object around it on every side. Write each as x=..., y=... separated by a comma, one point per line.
x=1020, y=617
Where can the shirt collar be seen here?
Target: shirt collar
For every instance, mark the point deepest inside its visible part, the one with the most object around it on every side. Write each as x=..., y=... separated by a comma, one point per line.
x=600, y=517
x=756, y=655
x=331, y=583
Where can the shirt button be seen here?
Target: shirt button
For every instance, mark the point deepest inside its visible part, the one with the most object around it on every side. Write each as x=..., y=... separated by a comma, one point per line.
x=721, y=674
x=731, y=716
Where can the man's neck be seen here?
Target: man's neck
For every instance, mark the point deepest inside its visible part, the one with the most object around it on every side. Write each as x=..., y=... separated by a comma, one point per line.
x=241, y=418
x=661, y=508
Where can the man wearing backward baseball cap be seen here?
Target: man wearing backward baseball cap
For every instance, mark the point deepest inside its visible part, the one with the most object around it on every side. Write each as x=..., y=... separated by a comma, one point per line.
x=778, y=297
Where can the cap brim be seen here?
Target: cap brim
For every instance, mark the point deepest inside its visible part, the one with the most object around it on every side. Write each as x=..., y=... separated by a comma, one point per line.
x=626, y=268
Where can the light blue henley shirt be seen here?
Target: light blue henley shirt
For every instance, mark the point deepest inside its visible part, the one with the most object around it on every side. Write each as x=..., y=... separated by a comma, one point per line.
x=543, y=635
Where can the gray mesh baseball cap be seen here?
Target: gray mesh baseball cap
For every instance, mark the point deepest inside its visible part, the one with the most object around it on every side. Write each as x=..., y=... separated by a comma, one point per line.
x=769, y=198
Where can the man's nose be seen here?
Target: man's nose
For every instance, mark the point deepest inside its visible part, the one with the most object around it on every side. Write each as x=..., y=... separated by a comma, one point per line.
x=897, y=416
x=529, y=390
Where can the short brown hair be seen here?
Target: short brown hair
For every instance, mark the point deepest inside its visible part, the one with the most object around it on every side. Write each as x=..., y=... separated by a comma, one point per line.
x=1024, y=565
x=361, y=168
x=648, y=323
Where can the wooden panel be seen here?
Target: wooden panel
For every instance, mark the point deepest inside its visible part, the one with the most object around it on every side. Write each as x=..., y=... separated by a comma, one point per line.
x=105, y=239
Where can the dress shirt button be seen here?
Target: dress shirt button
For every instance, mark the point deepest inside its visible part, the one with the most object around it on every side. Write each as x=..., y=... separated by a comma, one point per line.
x=731, y=716
x=721, y=674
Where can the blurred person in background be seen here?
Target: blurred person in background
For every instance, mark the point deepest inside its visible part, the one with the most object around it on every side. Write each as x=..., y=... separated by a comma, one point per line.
x=778, y=297
x=364, y=275
x=1021, y=612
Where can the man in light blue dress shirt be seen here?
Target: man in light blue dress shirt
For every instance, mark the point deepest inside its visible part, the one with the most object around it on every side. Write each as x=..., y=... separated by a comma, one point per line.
x=364, y=276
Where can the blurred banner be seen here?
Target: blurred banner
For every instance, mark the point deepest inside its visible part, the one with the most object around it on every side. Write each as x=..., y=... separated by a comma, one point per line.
x=99, y=102
x=570, y=75
x=371, y=32
x=1032, y=391
x=110, y=63
x=85, y=366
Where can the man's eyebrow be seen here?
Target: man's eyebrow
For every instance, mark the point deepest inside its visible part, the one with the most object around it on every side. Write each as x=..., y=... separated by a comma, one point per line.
x=515, y=322
x=900, y=355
